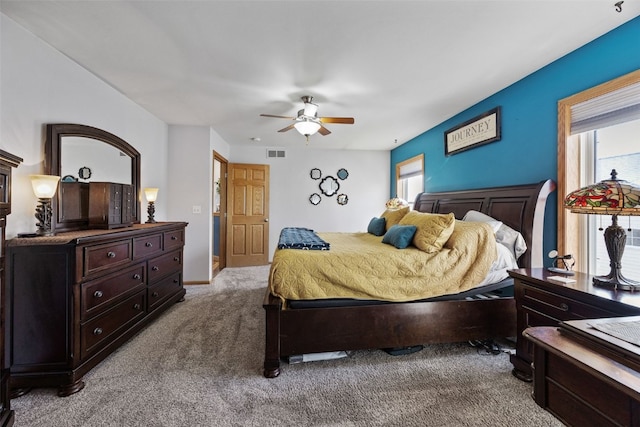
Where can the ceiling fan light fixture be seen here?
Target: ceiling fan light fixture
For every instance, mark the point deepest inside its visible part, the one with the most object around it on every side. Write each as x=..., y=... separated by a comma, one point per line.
x=307, y=127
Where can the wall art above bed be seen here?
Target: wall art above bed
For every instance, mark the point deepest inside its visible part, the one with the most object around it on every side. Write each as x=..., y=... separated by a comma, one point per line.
x=480, y=130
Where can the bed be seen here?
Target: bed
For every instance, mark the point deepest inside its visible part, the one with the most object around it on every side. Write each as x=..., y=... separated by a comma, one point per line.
x=292, y=331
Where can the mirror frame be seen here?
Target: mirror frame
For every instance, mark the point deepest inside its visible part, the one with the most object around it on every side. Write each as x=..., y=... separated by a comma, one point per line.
x=53, y=166
x=329, y=180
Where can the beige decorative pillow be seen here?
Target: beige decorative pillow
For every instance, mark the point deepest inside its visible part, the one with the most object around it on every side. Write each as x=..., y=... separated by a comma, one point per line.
x=393, y=216
x=433, y=229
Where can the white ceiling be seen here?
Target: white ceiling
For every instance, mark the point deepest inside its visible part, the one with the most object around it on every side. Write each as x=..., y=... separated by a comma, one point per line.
x=398, y=67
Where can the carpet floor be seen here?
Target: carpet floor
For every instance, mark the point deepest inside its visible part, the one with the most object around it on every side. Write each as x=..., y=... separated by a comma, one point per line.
x=200, y=364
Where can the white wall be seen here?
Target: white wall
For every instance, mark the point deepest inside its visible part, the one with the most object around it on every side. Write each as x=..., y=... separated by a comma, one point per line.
x=40, y=86
x=290, y=187
x=190, y=184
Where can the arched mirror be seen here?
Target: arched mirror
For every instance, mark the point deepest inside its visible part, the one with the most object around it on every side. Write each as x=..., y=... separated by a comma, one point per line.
x=71, y=151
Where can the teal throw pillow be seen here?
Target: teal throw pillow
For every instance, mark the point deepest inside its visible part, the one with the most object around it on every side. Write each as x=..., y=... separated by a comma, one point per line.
x=377, y=226
x=400, y=236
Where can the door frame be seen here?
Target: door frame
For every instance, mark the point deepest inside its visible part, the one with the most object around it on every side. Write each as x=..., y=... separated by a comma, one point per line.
x=222, y=238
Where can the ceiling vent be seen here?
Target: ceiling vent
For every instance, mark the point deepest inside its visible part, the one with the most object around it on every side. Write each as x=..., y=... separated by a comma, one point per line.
x=273, y=153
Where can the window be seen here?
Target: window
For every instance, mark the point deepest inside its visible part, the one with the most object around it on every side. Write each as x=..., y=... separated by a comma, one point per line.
x=410, y=179
x=610, y=107
x=612, y=147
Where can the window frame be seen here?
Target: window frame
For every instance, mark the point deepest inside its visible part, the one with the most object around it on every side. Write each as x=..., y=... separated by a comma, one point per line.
x=399, y=165
x=569, y=165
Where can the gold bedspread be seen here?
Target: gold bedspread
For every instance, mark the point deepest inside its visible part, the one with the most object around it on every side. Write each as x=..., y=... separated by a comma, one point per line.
x=359, y=265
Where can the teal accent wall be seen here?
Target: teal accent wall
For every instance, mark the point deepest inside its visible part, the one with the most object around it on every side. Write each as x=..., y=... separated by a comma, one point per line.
x=527, y=151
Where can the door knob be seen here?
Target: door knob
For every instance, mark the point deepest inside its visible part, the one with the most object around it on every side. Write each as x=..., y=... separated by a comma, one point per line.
x=266, y=220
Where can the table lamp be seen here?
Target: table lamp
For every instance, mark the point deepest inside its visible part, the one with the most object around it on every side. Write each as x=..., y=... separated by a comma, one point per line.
x=609, y=197
x=44, y=187
x=151, y=194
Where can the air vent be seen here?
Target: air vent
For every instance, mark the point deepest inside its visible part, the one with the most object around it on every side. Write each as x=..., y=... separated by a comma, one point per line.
x=273, y=153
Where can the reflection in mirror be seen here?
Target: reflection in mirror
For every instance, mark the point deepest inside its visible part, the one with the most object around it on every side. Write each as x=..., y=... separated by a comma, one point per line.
x=315, y=199
x=329, y=186
x=68, y=148
x=342, y=199
x=107, y=163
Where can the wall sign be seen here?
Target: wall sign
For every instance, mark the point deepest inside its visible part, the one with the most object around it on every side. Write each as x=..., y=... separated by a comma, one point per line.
x=480, y=130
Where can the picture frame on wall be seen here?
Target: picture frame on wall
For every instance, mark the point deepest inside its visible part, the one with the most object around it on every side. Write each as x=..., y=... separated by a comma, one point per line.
x=480, y=130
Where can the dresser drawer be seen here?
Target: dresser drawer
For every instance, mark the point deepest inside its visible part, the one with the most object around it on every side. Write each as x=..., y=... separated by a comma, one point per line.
x=173, y=239
x=164, y=289
x=147, y=245
x=100, y=330
x=559, y=307
x=164, y=265
x=567, y=382
x=109, y=255
x=97, y=295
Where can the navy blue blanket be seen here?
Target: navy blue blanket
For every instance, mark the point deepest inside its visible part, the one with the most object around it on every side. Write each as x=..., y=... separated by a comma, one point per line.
x=301, y=238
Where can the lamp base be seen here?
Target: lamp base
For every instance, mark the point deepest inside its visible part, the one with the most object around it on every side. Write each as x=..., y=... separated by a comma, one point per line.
x=616, y=281
x=615, y=239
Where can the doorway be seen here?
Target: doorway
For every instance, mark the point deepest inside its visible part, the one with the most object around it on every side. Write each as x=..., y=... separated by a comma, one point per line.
x=219, y=213
x=248, y=215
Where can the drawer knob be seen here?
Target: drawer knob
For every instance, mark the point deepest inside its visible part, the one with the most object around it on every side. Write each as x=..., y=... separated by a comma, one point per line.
x=148, y=244
x=97, y=331
x=137, y=276
x=176, y=281
x=111, y=254
x=564, y=306
x=175, y=258
x=97, y=294
x=155, y=268
x=136, y=306
x=155, y=294
x=174, y=238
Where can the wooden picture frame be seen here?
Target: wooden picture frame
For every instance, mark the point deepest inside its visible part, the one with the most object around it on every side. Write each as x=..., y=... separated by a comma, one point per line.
x=480, y=130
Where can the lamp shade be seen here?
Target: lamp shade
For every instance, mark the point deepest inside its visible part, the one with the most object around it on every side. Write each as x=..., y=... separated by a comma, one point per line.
x=396, y=203
x=151, y=194
x=307, y=127
x=44, y=186
x=609, y=197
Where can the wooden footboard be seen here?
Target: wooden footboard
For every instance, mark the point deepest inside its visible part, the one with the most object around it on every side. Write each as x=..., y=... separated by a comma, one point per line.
x=314, y=330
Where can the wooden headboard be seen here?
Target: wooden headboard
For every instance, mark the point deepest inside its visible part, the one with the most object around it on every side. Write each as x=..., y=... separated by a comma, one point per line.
x=521, y=207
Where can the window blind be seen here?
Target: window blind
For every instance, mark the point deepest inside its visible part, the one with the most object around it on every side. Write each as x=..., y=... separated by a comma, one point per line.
x=620, y=106
x=410, y=169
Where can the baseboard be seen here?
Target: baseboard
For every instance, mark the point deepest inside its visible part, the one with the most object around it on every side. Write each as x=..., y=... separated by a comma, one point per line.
x=196, y=282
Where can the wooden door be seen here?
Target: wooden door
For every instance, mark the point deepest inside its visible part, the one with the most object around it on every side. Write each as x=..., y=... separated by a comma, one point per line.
x=247, y=215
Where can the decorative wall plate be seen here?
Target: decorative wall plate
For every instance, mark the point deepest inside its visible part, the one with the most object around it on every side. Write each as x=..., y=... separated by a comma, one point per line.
x=315, y=198
x=342, y=199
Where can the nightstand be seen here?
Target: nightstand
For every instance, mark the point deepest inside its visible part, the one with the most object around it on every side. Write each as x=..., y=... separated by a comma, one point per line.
x=543, y=301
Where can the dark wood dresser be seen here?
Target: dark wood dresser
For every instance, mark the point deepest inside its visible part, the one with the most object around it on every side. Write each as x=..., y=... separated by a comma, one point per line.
x=7, y=163
x=76, y=297
x=543, y=301
x=584, y=377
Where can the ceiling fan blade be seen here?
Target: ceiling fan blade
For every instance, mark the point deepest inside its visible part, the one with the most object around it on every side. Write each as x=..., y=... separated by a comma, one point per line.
x=339, y=120
x=277, y=117
x=324, y=131
x=287, y=128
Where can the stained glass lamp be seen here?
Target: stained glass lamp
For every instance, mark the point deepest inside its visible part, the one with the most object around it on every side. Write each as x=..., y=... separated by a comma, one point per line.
x=609, y=197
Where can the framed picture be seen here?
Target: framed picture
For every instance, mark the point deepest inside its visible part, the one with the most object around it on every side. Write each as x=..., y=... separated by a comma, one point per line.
x=480, y=130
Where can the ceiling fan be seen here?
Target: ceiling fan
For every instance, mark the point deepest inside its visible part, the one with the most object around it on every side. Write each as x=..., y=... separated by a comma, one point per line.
x=308, y=123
